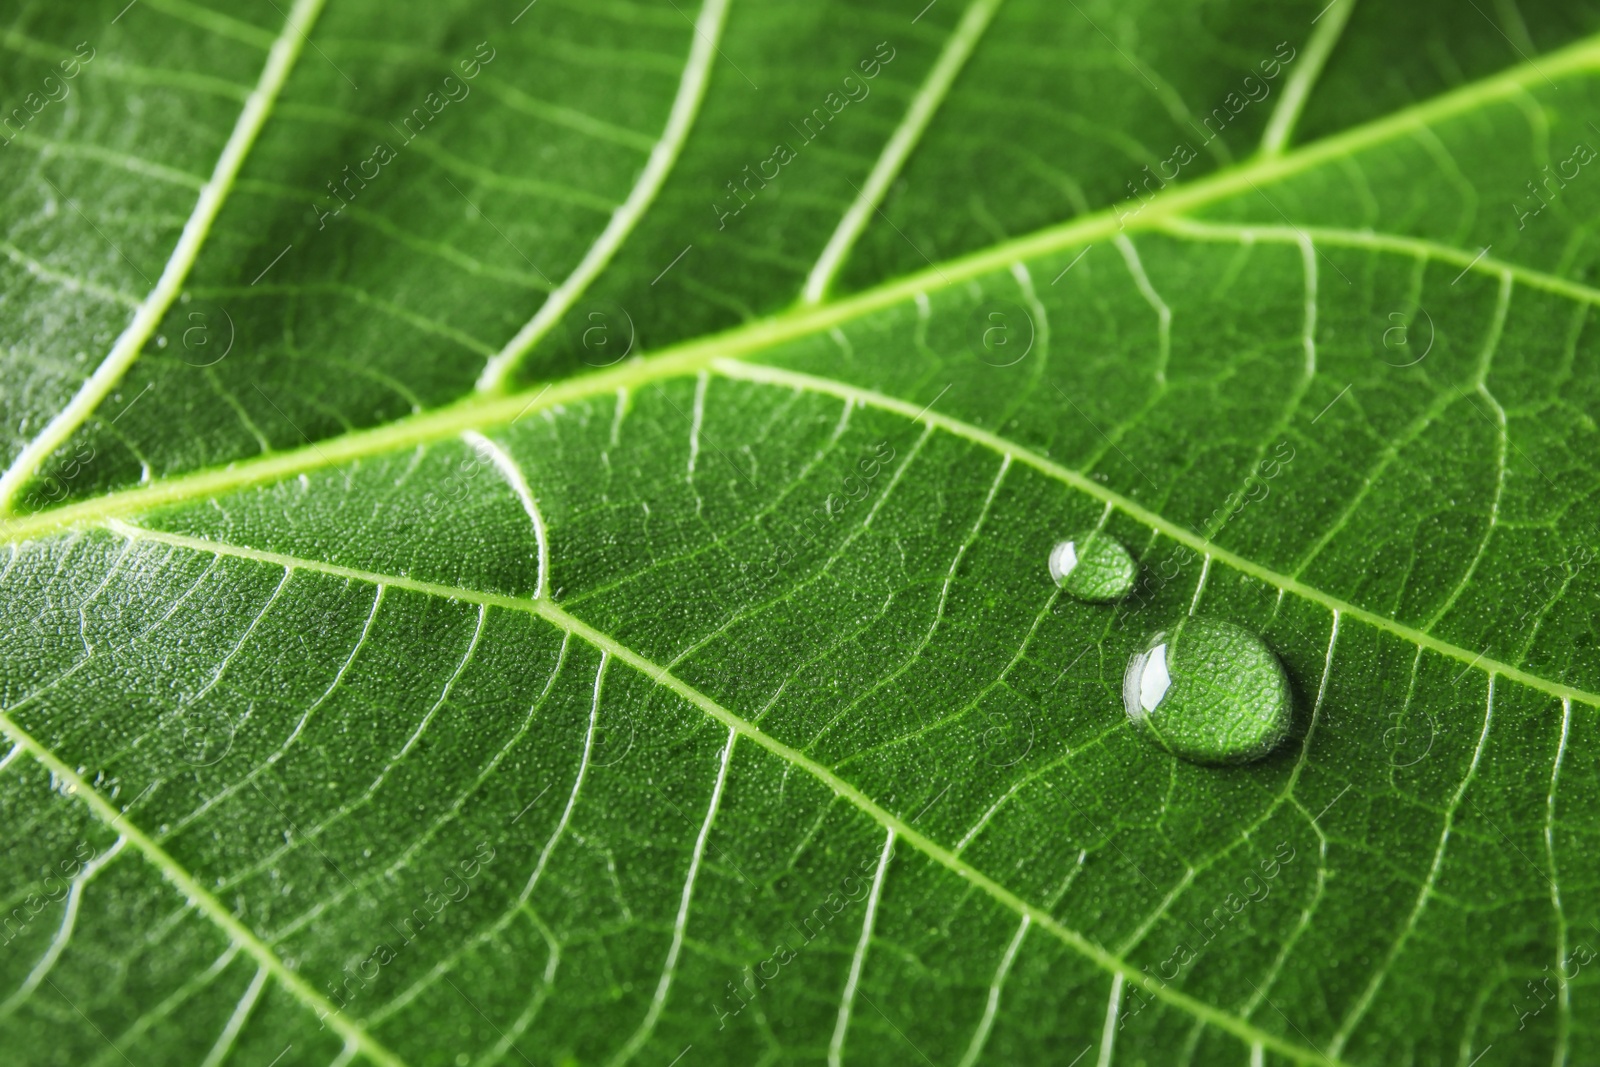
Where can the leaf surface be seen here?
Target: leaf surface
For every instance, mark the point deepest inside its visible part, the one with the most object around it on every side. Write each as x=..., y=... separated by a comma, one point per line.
x=505, y=564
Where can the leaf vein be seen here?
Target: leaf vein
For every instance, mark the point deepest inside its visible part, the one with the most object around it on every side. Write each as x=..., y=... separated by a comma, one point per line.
x=658, y=1000
x=963, y=39
x=685, y=106
x=761, y=373
x=1359, y=1009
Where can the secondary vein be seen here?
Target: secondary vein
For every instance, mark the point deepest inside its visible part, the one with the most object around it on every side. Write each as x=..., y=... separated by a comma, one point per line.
x=1298, y=88
x=280, y=61
x=107, y=509
x=614, y=649
x=772, y=375
x=962, y=41
x=196, y=895
x=691, y=91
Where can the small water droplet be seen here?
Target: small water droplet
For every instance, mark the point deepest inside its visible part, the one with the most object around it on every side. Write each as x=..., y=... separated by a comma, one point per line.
x=1210, y=692
x=1093, y=567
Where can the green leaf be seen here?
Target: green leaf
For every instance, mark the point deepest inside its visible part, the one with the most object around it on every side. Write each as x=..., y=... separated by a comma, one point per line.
x=527, y=531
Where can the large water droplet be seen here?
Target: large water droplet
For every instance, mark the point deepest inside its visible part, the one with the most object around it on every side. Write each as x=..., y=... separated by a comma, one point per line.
x=1210, y=692
x=1092, y=566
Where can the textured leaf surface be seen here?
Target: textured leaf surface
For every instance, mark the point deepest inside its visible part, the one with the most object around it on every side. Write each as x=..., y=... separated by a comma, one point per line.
x=542, y=592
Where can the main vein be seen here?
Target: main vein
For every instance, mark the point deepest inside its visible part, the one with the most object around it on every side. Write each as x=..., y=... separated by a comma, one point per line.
x=109, y=508
x=280, y=61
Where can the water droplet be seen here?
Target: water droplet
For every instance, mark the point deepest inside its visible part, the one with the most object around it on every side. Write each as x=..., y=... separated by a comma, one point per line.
x=1210, y=692
x=1092, y=567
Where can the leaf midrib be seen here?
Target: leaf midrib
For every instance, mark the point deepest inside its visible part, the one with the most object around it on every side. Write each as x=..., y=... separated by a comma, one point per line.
x=556, y=616
x=468, y=417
